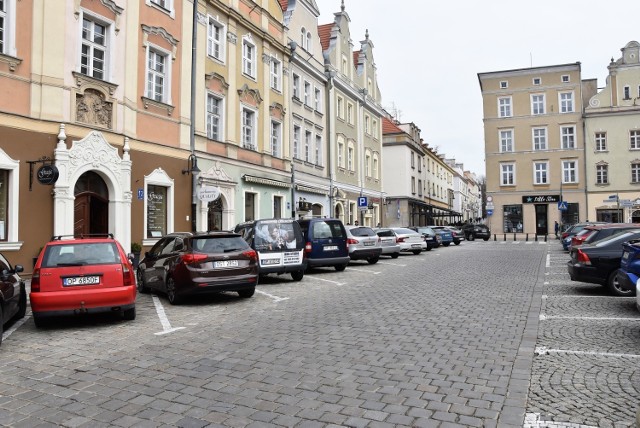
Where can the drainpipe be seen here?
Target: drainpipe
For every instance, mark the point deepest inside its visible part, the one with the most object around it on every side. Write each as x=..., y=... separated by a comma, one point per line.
x=192, y=132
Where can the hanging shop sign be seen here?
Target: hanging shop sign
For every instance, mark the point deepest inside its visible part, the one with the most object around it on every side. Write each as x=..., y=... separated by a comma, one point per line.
x=47, y=174
x=208, y=193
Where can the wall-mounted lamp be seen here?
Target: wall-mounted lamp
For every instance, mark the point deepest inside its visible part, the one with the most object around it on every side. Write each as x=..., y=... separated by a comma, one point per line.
x=192, y=162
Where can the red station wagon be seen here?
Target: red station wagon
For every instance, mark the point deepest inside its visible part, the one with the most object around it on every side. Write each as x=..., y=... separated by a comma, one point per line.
x=82, y=275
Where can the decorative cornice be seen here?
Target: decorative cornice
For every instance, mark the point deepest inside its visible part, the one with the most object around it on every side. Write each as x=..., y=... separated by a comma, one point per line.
x=148, y=101
x=109, y=4
x=220, y=78
x=254, y=93
x=83, y=81
x=146, y=30
x=12, y=61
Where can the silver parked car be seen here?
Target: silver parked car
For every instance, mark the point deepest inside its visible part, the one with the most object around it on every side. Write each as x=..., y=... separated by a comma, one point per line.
x=409, y=240
x=388, y=243
x=363, y=243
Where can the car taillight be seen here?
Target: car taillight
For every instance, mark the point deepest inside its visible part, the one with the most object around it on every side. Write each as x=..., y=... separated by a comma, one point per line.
x=351, y=241
x=398, y=240
x=191, y=258
x=307, y=247
x=127, y=274
x=35, y=280
x=251, y=254
x=583, y=257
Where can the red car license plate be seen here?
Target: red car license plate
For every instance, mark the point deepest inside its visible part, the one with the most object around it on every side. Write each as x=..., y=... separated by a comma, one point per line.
x=81, y=280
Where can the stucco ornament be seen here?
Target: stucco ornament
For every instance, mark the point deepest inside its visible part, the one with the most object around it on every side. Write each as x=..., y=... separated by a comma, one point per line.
x=94, y=150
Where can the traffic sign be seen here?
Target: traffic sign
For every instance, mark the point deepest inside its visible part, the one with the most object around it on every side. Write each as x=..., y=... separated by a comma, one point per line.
x=489, y=212
x=362, y=203
x=563, y=206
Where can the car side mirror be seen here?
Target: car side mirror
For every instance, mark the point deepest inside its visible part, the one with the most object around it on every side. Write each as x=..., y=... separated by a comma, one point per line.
x=19, y=268
x=4, y=275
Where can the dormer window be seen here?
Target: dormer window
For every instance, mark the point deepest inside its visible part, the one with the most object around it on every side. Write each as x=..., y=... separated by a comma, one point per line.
x=504, y=84
x=537, y=81
x=565, y=78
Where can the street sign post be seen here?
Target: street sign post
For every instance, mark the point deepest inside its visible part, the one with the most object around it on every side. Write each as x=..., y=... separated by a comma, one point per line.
x=362, y=203
x=489, y=212
x=563, y=206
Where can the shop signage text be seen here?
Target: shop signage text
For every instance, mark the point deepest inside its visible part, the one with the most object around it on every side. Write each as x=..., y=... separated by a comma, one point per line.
x=47, y=174
x=540, y=199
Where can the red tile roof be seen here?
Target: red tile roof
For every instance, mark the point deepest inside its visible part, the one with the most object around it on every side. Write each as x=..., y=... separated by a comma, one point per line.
x=284, y=4
x=388, y=127
x=355, y=58
x=324, y=31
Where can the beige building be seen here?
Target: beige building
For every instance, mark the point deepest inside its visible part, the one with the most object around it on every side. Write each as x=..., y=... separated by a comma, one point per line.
x=534, y=147
x=612, y=133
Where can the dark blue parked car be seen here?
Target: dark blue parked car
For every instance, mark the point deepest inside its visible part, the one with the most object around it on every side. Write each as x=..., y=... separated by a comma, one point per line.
x=325, y=242
x=445, y=234
x=629, y=271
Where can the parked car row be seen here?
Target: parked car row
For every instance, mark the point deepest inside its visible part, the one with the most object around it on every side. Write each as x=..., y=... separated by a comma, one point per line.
x=606, y=254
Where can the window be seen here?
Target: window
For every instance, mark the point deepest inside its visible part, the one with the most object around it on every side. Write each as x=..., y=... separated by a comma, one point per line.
x=507, y=174
x=602, y=174
x=413, y=185
x=93, y=57
x=601, y=141
x=627, y=93
x=367, y=165
x=276, y=138
x=568, y=136
x=165, y=4
x=565, y=78
x=512, y=215
x=504, y=107
x=307, y=146
x=307, y=93
x=277, y=206
x=504, y=84
x=413, y=160
x=419, y=187
x=318, y=100
x=635, y=172
x=345, y=66
x=367, y=126
x=248, y=57
x=506, y=140
x=375, y=167
x=5, y=22
x=419, y=164
x=537, y=81
x=569, y=172
x=158, y=205
x=158, y=76
x=296, y=141
x=566, y=102
x=296, y=86
x=340, y=155
x=249, y=206
x=340, y=107
x=275, y=74
x=537, y=104
x=540, y=172
x=634, y=139
x=248, y=128
x=375, y=128
x=9, y=192
x=215, y=39
x=318, y=150
x=350, y=113
x=539, y=138
x=350, y=163
x=214, y=111
x=303, y=37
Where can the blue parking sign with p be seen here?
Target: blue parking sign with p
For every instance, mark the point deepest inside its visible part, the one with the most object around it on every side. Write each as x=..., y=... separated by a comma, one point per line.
x=362, y=201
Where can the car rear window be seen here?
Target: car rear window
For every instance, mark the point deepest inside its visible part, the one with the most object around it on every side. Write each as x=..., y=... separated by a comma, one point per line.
x=219, y=244
x=362, y=231
x=404, y=231
x=386, y=232
x=277, y=235
x=326, y=229
x=81, y=254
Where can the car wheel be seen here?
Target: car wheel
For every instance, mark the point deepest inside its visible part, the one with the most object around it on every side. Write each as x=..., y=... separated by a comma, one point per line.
x=470, y=237
x=22, y=304
x=1, y=326
x=373, y=260
x=485, y=239
x=340, y=268
x=129, y=314
x=446, y=244
x=416, y=252
x=37, y=320
x=142, y=286
x=245, y=294
x=395, y=255
x=614, y=286
x=174, y=299
x=457, y=242
x=297, y=275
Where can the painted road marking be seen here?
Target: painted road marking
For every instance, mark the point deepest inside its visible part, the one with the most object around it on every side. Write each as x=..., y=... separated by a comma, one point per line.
x=556, y=317
x=363, y=270
x=166, y=325
x=328, y=280
x=545, y=351
x=392, y=264
x=275, y=298
x=15, y=326
x=548, y=261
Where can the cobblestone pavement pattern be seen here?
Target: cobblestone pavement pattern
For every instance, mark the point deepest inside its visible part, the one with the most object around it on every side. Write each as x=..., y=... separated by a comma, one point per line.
x=443, y=339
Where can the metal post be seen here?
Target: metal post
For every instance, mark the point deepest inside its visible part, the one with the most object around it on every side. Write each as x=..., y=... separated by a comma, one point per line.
x=192, y=141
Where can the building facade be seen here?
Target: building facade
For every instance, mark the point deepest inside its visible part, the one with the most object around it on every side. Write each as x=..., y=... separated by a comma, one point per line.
x=534, y=147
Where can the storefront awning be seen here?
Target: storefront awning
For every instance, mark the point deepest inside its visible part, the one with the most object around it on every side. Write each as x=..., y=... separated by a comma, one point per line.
x=309, y=189
x=266, y=181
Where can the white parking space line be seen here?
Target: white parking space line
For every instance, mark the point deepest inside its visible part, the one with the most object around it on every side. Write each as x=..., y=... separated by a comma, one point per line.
x=548, y=261
x=535, y=420
x=328, y=280
x=276, y=298
x=545, y=351
x=391, y=264
x=557, y=317
x=166, y=325
x=15, y=326
x=363, y=270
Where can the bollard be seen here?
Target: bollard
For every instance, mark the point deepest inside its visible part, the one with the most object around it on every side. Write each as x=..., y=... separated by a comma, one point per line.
x=526, y=237
x=536, y=238
x=505, y=237
x=545, y=237
x=495, y=238
x=514, y=237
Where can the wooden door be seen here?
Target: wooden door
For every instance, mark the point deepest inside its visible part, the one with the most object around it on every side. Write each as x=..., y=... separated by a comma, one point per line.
x=81, y=215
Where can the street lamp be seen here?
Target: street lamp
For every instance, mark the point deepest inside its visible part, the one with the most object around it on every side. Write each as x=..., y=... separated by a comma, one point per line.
x=192, y=168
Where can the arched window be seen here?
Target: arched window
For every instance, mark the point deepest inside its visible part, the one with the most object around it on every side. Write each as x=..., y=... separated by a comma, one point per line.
x=303, y=37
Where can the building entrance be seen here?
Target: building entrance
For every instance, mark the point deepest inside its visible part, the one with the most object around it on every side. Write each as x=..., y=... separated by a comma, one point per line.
x=541, y=219
x=214, y=214
x=91, y=205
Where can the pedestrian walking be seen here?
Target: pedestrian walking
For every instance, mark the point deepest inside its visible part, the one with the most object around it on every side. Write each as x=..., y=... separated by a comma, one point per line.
x=557, y=228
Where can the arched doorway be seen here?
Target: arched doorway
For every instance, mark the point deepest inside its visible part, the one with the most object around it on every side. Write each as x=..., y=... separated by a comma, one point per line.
x=214, y=214
x=91, y=205
x=635, y=216
x=339, y=213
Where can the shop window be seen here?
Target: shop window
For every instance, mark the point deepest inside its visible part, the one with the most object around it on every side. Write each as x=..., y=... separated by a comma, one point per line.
x=158, y=206
x=9, y=173
x=512, y=215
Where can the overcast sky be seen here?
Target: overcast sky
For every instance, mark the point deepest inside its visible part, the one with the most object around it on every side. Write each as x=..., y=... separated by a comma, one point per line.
x=428, y=54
